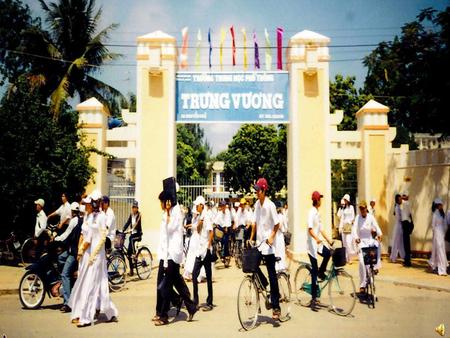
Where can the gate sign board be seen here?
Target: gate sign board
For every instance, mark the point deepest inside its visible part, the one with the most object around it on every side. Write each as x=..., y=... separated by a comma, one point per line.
x=232, y=97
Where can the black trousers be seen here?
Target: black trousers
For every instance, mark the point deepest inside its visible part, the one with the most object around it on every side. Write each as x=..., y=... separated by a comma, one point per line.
x=273, y=280
x=131, y=248
x=406, y=227
x=206, y=262
x=316, y=271
x=168, y=279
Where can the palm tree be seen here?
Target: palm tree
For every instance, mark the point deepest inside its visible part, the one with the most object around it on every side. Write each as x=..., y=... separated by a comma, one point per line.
x=77, y=51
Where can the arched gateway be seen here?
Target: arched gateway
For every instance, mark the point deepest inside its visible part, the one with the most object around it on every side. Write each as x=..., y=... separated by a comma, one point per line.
x=298, y=97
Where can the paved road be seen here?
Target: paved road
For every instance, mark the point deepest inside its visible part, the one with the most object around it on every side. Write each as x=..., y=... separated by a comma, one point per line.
x=401, y=312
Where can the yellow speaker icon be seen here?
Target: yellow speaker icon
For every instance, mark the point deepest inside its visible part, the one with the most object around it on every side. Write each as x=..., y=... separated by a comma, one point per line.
x=441, y=329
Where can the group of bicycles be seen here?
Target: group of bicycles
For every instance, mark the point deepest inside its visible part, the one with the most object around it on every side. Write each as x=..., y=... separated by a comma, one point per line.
x=338, y=282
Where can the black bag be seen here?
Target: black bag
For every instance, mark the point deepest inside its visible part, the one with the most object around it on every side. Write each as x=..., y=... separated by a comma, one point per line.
x=339, y=257
x=250, y=260
x=287, y=238
x=170, y=187
x=214, y=257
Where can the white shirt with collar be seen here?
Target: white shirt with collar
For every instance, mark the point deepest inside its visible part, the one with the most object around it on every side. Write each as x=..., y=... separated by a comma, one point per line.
x=111, y=224
x=406, y=211
x=266, y=217
x=171, y=236
x=41, y=223
x=315, y=224
x=72, y=224
x=223, y=218
x=204, y=234
x=244, y=217
x=363, y=230
x=64, y=212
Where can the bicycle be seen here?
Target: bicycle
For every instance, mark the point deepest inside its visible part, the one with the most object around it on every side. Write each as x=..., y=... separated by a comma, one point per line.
x=248, y=302
x=220, y=250
x=370, y=257
x=341, y=288
x=238, y=246
x=142, y=261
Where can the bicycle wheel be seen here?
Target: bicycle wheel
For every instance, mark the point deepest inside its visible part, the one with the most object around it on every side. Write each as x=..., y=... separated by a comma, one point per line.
x=303, y=284
x=28, y=252
x=31, y=290
x=248, y=303
x=117, y=269
x=342, y=293
x=144, y=263
x=284, y=287
x=370, y=288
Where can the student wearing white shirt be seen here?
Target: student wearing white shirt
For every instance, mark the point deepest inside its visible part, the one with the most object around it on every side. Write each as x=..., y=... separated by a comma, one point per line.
x=203, y=229
x=110, y=221
x=223, y=220
x=266, y=226
x=364, y=231
x=315, y=246
x=371, y=207
x=170, y=254
x=438, y=260
x=407, y=227
x=243, y=222
x=64, y=212
x=41, y=218
x=135, y=225
x=346, y=227
x=397, y=247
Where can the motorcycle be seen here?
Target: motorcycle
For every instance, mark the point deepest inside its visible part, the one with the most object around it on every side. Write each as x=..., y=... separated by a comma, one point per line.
x=10, y=249
x=41, y=277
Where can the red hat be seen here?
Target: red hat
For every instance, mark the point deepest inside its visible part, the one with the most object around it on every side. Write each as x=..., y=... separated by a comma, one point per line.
x=261, y=184
x=316, y=196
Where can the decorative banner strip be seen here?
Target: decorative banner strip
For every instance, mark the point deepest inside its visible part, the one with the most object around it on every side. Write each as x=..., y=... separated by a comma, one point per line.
x=280, y=48
x=183, y=56
x=223, y=33
x=244, y=33
x=268, y=51
x=257, y=66
x=233, y=42
x=197, y=54
x=210, y=46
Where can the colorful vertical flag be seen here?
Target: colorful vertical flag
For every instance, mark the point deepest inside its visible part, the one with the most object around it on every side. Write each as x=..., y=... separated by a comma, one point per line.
x=244, y=33
x=257, y=66
x=233, y=43
x=280, y=48
x=223, y=33
x=183, y=56
x=268, y=51
x=210, y=46
x=197, y=53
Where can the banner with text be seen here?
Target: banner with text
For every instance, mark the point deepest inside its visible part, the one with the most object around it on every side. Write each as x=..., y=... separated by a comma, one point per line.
x=247, y=97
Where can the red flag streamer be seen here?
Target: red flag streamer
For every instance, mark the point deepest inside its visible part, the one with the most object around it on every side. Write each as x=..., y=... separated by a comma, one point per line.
x=183, y=57
x=280, y=48
x=234, y=45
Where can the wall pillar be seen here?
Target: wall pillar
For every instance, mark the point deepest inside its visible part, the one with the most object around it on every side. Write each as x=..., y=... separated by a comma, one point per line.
x=93, y=119
x=308, y=132
x=156, y=141
x=372, y=169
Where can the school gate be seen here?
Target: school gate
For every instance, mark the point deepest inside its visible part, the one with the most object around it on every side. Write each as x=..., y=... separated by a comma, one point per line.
x=313, y=138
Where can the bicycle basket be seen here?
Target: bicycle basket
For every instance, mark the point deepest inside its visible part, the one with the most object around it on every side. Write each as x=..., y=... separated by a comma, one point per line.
x=339, y=258
x=218, y=234
x=250, y=260
x=119, y=240
x=370, y=255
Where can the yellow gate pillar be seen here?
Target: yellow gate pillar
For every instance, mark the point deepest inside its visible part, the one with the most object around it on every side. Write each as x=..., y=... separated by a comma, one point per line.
x=376, y=137
x=309, y=131
x=93, y=122
x=156, y=141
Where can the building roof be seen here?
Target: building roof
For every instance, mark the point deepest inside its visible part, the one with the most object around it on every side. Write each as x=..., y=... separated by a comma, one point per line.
x=373, y=107
x=306, y=36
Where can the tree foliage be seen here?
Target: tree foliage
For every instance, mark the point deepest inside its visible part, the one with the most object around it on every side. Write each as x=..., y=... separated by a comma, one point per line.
x=193, y=153
x=40, y=157
x=411, y=74
x=257, y=151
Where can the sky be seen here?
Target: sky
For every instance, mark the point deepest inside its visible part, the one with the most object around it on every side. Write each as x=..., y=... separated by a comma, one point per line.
x=346, y=22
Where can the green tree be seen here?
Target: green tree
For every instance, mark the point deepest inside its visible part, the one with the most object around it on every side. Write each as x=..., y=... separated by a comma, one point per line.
x=40, y=157
x=257, y=151
x=345, y=96
x=193, y=153
x=64, y=58
x=411, y=75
